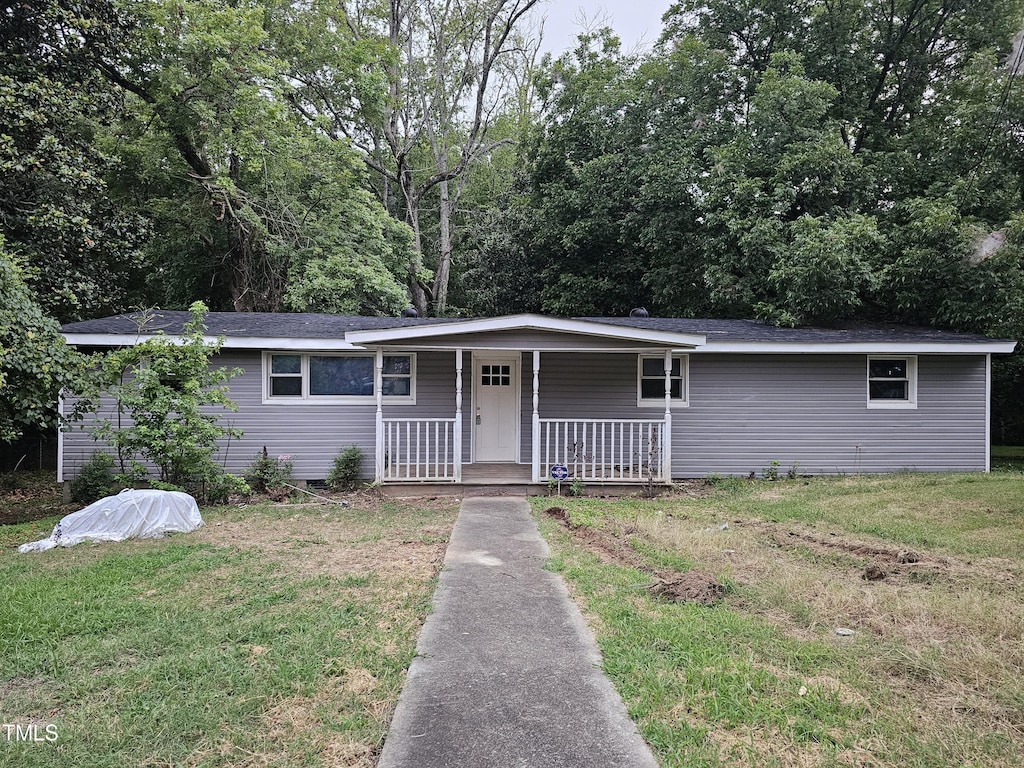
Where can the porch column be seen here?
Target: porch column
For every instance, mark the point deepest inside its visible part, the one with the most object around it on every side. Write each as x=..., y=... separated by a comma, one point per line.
x=457, y=437
x=378, y=388
x=535, y=450
x=666, y=439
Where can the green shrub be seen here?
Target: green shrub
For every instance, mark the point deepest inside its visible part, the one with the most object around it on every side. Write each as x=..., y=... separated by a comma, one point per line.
x=218, y=489
x=268, y=472
x=344, y=476
x=95, y=480
x=163, y=389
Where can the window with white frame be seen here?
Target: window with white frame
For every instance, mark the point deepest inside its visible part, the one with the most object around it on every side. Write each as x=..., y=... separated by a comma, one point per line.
x=651, y=381
x=892, y=382
x=329, y=377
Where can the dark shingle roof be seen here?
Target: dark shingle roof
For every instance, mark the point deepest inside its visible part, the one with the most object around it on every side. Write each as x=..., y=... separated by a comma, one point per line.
x=755, y=330
x=271, y=325
x=323, y=326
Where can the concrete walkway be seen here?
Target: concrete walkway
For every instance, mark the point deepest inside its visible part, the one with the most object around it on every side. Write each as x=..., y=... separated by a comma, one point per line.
x=506, y=670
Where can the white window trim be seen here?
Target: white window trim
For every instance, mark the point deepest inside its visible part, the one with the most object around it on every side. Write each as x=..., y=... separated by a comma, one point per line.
x=911, y=402
x=307, y=399
x=659, y=402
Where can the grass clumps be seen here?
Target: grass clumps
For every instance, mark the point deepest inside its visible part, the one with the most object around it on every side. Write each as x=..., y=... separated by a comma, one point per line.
x=930, y=676
x=271, y=636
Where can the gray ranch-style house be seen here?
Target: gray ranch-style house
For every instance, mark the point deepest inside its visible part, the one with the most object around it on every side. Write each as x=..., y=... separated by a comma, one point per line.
x=613, y=400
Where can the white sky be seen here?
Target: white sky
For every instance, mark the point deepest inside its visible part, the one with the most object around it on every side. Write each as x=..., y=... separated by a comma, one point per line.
x=637, y=22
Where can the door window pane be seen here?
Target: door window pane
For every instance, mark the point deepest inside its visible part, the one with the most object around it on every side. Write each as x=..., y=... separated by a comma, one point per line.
x=496, y=375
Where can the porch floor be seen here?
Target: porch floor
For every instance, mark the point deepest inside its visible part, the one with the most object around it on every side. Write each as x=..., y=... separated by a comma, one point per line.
x=503, y=479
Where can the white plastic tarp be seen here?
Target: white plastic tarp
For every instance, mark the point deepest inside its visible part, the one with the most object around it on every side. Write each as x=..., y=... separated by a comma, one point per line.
x=131, y=514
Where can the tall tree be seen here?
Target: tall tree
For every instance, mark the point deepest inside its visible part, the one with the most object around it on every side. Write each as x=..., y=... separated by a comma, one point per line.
x=448, y=76
x=81, y=254
x=260, y=199
x=35, y=363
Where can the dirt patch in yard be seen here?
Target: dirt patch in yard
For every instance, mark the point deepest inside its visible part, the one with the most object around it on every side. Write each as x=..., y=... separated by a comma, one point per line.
x=693, y=586
x=876, y=562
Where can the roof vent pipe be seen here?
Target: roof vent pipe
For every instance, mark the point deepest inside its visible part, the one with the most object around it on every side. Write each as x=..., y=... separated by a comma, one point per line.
x=638, y=312
x=410, y=312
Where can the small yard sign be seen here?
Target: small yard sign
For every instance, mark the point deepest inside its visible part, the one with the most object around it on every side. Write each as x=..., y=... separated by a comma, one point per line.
x=559, y=471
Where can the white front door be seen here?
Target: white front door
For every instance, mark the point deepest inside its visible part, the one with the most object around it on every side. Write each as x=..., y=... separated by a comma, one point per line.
x=496, y=406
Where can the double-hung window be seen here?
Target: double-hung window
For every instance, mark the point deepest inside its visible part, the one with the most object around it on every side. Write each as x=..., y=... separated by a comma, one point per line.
x=892, y=382
x=651, y=381
x=337, y=378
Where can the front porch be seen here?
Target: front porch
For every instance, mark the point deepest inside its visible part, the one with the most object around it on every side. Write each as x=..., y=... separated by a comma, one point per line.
x=621, y=451
x=588, y=419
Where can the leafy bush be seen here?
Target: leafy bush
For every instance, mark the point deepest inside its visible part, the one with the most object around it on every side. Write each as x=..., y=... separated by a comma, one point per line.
x=162, y=388
x=344, y=476
x=267, y=472
x=95, y=480
x=218, y=489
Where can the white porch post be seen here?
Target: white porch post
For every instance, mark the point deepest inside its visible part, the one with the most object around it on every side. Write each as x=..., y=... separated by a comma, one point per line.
x=457, y=437
x=666, y=439
x=378, y=388
x=535, y=449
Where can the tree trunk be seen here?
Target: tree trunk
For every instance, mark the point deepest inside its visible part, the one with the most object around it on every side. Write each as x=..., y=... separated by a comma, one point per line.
x=417, y=294
x=444, y=256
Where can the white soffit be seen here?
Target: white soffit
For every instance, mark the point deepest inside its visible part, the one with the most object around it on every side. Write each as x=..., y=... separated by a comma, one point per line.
x=526, y=322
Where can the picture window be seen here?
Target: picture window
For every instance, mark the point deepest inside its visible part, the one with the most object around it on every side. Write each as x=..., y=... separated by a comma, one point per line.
x=337, y=378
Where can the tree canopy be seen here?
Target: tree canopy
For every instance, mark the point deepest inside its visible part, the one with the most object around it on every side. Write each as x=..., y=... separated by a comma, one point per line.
x=807, y=163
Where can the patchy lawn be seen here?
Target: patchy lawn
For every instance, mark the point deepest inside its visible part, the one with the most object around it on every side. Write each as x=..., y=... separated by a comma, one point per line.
x=717, y=611
x=276, y=635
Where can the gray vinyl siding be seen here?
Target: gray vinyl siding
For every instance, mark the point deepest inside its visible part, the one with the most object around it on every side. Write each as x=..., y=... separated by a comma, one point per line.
x=749, y=410
x=745, y=411
x=311, y=434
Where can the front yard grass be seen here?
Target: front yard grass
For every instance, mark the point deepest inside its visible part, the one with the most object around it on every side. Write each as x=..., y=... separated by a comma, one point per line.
x=932, y=676
x=276, y=635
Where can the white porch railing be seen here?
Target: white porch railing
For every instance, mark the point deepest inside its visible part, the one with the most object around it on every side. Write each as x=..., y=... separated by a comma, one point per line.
x=419, y=449
x=611, y=450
